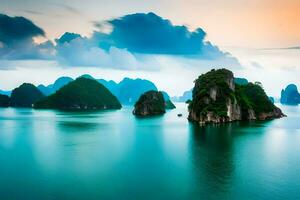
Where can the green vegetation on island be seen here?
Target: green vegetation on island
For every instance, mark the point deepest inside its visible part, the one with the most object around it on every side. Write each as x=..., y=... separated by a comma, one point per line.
x=153, y=103
x=25, y=96
x=253, y=96
x=188, y=101
x=4, y=100
x=81, y=94
x=150, y=103
x=217, y=98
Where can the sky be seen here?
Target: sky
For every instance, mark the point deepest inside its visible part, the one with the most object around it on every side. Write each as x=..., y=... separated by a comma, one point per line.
x=169, y=42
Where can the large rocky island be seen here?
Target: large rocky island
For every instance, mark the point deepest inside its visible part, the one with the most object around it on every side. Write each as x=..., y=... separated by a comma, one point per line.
x=217, y=99
x=81, y=94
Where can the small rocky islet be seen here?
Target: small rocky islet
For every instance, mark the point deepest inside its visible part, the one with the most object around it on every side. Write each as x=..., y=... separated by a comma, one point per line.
x=150, y=103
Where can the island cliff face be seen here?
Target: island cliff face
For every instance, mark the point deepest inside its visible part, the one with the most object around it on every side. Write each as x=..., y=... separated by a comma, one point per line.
x=217, y=99
x=150, y=103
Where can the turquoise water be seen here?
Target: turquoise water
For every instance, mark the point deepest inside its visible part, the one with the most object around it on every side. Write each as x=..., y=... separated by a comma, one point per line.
x=113, y=155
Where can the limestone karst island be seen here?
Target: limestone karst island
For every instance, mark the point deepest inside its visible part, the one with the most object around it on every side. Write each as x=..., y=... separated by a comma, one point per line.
x=217, y=98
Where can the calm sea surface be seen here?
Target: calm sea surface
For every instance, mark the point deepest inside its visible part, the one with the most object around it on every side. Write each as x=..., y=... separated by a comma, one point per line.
x=113, y=155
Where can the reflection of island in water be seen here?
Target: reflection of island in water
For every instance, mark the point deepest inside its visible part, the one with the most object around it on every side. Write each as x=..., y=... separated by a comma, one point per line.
x=215, y=157
x=212, y=159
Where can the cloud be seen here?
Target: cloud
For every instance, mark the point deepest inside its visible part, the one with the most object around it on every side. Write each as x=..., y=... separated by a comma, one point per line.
x=16, y=39
x=132, y=42
x=298, y=47
x=75, y=50
x=6, y=65
x=289, y=68
x=135, y=35
x=70, y=9
x=32, y=12
x=256, y=65
x=151, y=34
x=78, y=52
x=282, y=48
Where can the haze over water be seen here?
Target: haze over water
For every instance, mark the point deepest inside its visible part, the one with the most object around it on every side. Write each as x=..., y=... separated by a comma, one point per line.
x=114, y=155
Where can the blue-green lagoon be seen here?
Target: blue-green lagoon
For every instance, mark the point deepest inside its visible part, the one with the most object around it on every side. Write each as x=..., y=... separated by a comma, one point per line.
x=47, y=154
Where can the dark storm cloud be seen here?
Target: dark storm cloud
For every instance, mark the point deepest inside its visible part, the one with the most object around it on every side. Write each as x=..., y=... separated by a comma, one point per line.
x=16, y=39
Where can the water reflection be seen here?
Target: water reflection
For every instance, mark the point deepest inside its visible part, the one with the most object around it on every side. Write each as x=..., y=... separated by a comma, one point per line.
x=76, y=126
x=114, y=155
x=211, y=152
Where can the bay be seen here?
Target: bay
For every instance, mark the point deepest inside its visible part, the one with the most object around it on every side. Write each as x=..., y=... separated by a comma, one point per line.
x=47, y=154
